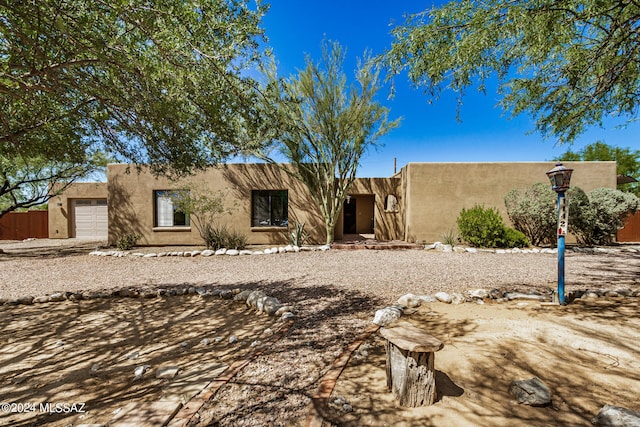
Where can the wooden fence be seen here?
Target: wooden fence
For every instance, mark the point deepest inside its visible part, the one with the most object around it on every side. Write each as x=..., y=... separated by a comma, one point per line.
x=23, y=225
x=631, y=230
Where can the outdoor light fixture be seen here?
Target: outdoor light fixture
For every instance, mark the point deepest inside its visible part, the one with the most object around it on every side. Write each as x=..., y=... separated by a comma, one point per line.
x=348, y=199
x=560, y=178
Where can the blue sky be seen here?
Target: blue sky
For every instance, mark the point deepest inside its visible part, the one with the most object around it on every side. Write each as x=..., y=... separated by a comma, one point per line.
x=428, y=132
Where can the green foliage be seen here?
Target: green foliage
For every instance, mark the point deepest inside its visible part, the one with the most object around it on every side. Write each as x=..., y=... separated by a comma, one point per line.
x=627, y=161
x=450, y=237
x=26, y=182
x=296, y=234
x=533, y=212
x=596, y=220
x=569, y=64
x=157, y=82
x=127, y=241
x=219, y=236
x=326, y=125
x=515, y=238
x=482, y=227
x=204, y=208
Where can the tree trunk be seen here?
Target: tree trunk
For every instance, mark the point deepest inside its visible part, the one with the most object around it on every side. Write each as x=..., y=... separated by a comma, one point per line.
x=411, y=376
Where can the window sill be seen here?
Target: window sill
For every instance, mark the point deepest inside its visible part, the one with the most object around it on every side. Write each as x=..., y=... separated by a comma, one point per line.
x=268, y=228
x=176, y=228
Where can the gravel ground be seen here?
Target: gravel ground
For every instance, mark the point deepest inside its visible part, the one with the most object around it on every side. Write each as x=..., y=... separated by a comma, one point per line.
x=336, y=293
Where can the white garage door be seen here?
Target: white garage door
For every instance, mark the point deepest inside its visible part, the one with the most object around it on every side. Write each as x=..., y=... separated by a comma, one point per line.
x=90, y=216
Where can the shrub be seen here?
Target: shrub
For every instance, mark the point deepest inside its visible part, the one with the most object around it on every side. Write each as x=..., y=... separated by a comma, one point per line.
x=533, y=212
x=596, y=220
x=127, y=241
x=296, y=234
x=515, y=238
x=450, y=237
x=216, y=237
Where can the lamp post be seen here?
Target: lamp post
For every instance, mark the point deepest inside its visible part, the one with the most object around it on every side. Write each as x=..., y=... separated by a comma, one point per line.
x=560, y=178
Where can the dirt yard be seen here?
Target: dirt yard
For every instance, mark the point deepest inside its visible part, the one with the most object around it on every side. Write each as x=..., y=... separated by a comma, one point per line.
x=586, y=353
x=89, y=351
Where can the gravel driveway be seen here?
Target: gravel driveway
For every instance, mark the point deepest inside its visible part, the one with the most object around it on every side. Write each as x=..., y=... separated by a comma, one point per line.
x=336, y=293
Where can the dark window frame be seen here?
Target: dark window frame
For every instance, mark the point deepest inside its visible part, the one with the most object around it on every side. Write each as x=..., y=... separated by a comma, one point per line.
x=269, y=208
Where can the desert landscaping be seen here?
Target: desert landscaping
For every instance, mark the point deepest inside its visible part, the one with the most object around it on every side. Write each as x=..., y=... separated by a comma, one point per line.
x=186, y=340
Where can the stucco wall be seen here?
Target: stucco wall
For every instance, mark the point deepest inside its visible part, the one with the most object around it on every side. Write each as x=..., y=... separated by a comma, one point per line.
x=437, y=192
x=131, y=203
x=60, y=215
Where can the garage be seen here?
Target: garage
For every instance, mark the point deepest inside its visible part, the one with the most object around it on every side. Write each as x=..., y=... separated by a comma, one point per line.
x=90, y=218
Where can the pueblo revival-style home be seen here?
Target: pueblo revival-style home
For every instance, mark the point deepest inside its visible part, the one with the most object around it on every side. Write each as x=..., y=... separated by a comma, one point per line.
x=419, y=203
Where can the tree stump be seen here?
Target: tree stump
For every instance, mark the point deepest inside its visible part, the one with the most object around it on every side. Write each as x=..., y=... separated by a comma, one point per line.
x=410, y=364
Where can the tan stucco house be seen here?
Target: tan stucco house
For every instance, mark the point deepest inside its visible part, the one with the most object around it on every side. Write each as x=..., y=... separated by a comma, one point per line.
x=419, y=203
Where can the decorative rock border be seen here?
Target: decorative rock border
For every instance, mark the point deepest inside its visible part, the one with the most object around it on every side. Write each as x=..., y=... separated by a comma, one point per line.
x=439, y=246
x=408, y=302
x=210, y=252
x=256, y=299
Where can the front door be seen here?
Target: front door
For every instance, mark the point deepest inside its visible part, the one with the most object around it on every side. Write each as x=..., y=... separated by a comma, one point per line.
x=349, y=210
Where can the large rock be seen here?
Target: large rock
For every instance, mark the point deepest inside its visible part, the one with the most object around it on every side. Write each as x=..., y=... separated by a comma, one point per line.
x=531, y=392
x=386, y=316
x=252, y=299
x=409, y=300
x=443, y=297
x=615, y=416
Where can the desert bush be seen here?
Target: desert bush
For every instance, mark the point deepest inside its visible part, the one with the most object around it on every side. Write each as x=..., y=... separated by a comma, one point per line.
x=450, y=237
x=596, y=220
x=515, y=238
x=533, y=212
x=127, y=241
x=296, y=235
x=219, y=236
x=485, y=228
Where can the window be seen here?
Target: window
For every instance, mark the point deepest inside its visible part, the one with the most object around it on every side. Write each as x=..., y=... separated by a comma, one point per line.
x=269, y=208
x=167, y=215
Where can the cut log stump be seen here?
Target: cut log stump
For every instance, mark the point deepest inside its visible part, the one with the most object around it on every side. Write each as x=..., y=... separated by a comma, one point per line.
x=410, y=364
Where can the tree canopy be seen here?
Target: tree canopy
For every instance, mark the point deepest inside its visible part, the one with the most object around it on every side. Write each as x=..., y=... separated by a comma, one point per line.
x=159, y=82
x=568, y=63
x=627, y=161
x=326, y=124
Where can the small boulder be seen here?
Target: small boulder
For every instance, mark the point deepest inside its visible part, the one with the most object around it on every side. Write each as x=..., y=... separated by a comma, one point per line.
x=615, y=416
x=531, y=392
x=443, y=297
x=409, y=300
x=207, y=253
x=221, y=251
x=386, y=316
x=232, y=252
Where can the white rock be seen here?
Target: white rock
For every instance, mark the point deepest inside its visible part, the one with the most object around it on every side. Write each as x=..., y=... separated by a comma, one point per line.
x=296, y=248
x=446, y=248
x=427, y=298
x=267, y=305
x=205, y=341
x=220, y=251
x=252, y=299
x=479, y=293
x=138, y=254
x=151, y=255
x=457, y=298
x=281, y=250
x=387, y=315
x=274, y=250
x=288, y=315
x=443, y=297
x=207, y=252
x=501, y=251
x=233, y=339
x=267, y=251
x=288, y=248
x=459, y=249
x=258, y=253
x=195, y=253
x=472, y=250
x=232, y=252
x=246, y=252
x=324, y=248
x=409, y=300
